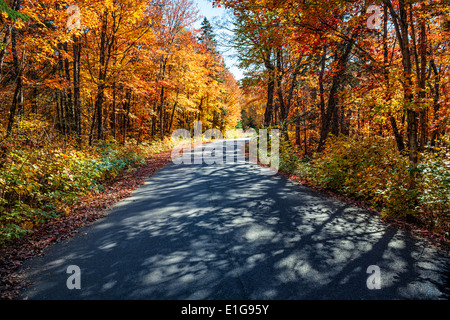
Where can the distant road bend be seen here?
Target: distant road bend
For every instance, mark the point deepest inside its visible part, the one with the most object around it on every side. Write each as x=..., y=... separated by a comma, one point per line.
x=225, y=231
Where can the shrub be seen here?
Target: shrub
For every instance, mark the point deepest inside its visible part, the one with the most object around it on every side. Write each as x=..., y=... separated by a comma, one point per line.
x=289, y=161
x=434, y=186
x=40, y=179
x=372, y=170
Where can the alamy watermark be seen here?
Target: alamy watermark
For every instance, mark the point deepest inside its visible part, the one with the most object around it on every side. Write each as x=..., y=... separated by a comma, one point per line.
x=74, y=20
x=374, y=280
x=225, y=152
x=74, y=280
x=374, y=21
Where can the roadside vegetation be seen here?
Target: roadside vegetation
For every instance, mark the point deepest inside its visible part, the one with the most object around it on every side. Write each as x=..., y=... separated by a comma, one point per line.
x=43, y=176
x=371, y=171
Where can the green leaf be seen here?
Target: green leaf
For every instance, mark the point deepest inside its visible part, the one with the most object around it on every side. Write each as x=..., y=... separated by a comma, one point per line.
x=12, y=13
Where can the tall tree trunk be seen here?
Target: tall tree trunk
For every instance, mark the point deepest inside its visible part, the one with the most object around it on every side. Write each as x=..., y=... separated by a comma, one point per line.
x=420, y=65
x=34, y=94
x=113, y=115
x=61, y=103
x=171, y=117
x=58, y=114
x=285, y=106
x=401, y=28
x=76, y=87
x=126, y=108
x=268, y=114
x=18, y=92
x=297, y=131
x=335, y=119
x=99, y=111
x=68, y=90
x=321, y=88
x=292, y=87
x=161, y=99
x=101, y=78
x=93, y=122
x=106, y=45
x=16, y=101
x=60, y=94
x=279, y=83
x=436, y=106
x=332, y=111
x=153, y=125
x=397, y=134
x=422, y=83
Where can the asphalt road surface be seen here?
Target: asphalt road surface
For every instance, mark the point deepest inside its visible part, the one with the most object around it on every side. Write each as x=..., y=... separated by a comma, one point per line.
x=227, y=231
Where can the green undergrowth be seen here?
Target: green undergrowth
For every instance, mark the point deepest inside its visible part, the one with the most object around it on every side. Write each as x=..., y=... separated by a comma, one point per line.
x=41, y=178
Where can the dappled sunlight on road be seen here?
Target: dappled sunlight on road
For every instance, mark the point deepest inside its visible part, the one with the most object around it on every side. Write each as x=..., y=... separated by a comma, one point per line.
x=226, y=232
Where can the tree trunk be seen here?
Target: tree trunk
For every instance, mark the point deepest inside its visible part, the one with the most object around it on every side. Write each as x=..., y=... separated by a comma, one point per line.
x=321, y=87
x=436, y=106
x=292, y=87
x=93, y=122
x=126, y=108
x=34, y=94
x=422, y=83
x=161, y=99
x=18, y=92
x=68, y=90
x=16, y=101
x=76, y=88
x=297, y=131
x=101, y=80
x=401, y=28
x=171, y=117
x=268, y=114
x=397, y=134
x=332, y=111
x=106, y=44
x=279, y=83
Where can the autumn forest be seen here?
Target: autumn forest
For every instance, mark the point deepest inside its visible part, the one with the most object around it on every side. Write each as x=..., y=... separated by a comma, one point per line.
x=360, y=91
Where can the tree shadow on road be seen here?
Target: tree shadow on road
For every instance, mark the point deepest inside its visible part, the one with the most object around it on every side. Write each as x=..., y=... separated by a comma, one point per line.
x=226, y=232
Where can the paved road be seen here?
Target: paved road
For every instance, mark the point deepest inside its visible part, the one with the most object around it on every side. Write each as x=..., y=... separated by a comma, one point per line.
x=225, y=231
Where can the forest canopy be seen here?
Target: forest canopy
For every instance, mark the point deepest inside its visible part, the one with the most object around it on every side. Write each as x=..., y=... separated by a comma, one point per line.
x=360, y=91
x=89, y=88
